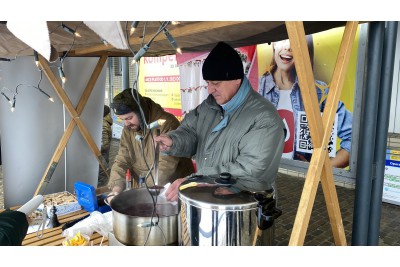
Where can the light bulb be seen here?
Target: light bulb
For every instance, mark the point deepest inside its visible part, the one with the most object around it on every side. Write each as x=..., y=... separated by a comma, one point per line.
x=6, y=97
x=172, y=41
x=133, y=26
x=46, y=94
x=36, y=56
x=71, y=31
x=104, y=41
x=156, y=124
x=140, y=53
x=13, y=105
x=62, y=75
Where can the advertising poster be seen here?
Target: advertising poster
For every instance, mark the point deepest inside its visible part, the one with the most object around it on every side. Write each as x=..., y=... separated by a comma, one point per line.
x=303, y=136
x=279, y=84
x=159, y=80
x=391, y=183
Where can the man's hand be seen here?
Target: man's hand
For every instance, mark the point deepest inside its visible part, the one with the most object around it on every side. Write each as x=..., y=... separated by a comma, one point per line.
x=172, y=192
x=164, y=141
x=115, y=191
x=341, y=160
x=301, y=157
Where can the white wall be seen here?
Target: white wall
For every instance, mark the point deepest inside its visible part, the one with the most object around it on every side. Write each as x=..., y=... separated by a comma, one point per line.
x=32, y=132
x=394, y=119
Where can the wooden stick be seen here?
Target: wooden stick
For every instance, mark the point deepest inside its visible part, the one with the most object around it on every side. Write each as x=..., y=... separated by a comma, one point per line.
x=71, y=125
x=320, y=131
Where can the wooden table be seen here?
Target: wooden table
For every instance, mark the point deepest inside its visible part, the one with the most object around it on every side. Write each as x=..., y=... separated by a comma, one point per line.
x=52, y=236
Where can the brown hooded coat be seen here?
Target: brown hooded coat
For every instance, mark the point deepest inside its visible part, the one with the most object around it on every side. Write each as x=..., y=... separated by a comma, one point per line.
x=130, y=154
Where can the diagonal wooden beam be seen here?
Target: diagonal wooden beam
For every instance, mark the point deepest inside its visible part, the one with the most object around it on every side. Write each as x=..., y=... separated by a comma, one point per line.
x=68, y=131
x=309, y=95
x=320, y=132
x=335, y=91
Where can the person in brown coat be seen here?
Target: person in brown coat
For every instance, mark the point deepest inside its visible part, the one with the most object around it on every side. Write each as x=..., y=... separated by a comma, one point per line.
x=106, y=136
x=137, y=148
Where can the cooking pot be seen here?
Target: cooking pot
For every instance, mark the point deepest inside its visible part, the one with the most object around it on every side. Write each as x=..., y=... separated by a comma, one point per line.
x=141, y=218
x=239, y=219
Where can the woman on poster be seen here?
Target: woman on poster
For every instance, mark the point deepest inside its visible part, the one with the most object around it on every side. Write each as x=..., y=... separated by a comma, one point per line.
x=280, y=86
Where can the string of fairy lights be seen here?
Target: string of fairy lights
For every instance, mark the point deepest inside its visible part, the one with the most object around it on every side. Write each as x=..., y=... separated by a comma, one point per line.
x=5, y=92
x=10, y=96
x=134, y=91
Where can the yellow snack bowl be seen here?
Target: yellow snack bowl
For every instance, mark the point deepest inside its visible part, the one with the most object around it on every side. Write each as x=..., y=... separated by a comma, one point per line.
x=78, y=240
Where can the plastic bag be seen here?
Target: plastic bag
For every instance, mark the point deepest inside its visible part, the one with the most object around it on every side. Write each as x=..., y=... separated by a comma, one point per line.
x=162, y=194
x=96, y=222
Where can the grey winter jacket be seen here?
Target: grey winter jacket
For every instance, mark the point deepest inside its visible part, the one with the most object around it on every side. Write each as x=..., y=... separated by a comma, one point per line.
x=249, y=147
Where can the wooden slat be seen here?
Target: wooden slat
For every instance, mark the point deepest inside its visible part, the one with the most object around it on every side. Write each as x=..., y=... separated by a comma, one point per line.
x=307, y=198
x=320, y=131
x=309, y=95
x=53, y=236
x=335, y=90
x=69, y=130
x=66, y=101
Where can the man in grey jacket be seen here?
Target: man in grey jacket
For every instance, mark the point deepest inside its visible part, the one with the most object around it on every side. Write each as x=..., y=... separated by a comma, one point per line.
x=234, y=130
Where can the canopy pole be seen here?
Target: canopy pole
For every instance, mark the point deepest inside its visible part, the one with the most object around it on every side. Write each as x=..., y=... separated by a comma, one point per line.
x=365, y=167
x=389, y=48
x=125, y=72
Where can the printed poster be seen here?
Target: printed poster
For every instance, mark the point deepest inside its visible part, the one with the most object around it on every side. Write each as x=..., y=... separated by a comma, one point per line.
x=391, y=183
x=159, y=80
x=276, y=67
x=303, y=136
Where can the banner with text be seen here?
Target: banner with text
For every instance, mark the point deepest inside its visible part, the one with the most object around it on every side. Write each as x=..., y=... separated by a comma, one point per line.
x=159, y=80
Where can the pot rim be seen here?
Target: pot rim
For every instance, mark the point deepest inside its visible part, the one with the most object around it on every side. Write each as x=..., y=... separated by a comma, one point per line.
x=213, y=206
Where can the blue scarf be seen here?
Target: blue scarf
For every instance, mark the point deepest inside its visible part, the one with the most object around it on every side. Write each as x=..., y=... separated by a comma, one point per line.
x=233, y=104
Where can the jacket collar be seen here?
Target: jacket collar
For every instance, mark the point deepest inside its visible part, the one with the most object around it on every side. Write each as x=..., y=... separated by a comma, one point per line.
x=270, y=83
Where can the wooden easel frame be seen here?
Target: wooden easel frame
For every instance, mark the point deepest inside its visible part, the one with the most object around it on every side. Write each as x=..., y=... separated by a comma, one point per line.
x=320, y=168
x=75, y=120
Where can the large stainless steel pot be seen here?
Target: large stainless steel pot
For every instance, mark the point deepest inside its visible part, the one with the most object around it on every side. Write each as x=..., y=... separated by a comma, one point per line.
x=207, y=219
x=137, y=223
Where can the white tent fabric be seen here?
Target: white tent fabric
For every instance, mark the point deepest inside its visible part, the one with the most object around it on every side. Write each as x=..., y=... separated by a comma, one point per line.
x=37, y=37
x=110, y=31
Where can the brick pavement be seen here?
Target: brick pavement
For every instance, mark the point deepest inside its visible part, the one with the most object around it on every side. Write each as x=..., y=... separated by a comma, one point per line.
x=319, y=231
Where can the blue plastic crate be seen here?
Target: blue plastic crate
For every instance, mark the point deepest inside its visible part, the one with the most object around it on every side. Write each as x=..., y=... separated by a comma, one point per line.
x=86, y=195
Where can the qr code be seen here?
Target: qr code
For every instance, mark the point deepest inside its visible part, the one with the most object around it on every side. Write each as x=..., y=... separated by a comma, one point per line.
x=304, y=142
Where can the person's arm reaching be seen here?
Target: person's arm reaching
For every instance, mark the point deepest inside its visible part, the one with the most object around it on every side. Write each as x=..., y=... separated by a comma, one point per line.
x=13, y=227
x=341, y=160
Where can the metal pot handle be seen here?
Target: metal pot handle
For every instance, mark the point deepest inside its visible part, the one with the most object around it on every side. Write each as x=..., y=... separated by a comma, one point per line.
x=265, y=219
x=106, y=199
x=267, y=211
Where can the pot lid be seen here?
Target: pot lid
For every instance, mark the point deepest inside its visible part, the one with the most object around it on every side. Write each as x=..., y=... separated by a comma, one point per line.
x=202, y=192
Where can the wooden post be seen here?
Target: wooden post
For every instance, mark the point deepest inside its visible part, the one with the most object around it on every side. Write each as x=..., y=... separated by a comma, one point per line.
x=320, y=129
